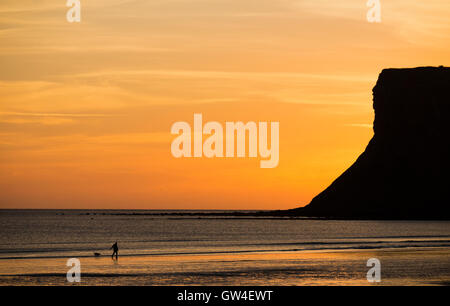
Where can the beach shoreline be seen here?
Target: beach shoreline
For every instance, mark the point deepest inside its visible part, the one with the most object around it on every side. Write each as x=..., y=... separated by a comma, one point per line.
x=407, y=266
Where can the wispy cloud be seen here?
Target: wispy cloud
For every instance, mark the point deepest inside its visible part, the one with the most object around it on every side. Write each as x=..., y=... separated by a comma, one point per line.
x=45, y=118
x=43, y=121
x=418, y=22
x=362, y=125
x=52, y=114
x=228, y=75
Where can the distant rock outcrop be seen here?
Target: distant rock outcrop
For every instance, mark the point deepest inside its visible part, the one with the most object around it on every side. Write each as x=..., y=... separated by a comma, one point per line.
x=404, y=171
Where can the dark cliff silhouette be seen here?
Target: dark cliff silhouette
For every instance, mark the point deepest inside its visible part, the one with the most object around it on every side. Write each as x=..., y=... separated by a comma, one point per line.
x=404, y=171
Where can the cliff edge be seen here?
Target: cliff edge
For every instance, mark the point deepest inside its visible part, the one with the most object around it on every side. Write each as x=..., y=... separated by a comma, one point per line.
x=403, y=173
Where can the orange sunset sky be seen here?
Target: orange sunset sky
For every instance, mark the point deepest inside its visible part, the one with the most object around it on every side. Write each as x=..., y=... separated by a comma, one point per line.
x=86, y=108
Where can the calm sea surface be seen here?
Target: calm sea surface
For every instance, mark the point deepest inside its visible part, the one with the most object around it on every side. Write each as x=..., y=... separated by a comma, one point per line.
x=55, y=234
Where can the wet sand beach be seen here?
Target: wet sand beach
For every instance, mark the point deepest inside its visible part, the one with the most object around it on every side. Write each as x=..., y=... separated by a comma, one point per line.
x=412, y=266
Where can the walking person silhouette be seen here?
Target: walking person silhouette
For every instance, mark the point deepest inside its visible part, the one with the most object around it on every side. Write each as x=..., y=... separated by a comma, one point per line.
x=115, y=249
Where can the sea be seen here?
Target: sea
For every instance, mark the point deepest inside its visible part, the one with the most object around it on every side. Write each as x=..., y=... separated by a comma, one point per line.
x=165, y=247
